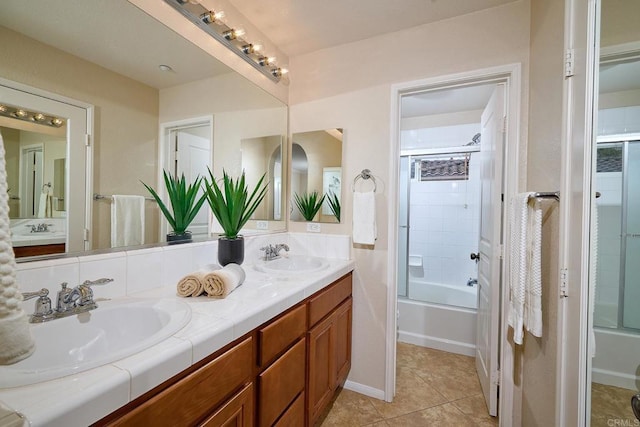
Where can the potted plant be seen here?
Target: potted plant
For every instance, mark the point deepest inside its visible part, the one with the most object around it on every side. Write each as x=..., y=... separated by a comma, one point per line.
x=232, y=206
x=334, y=204
x=185, y=205
x=308, y=204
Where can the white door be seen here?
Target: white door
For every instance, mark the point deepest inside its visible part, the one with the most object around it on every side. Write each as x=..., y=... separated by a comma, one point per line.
x=488, y=322
x=192, y=157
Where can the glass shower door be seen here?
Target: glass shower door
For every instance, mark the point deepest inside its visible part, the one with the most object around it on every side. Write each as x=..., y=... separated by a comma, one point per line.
x=631, y=237
x=403, y=227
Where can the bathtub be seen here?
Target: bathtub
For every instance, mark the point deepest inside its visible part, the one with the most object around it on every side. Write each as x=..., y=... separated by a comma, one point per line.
x=617, y=361
x=450, y=327
x=436, y=293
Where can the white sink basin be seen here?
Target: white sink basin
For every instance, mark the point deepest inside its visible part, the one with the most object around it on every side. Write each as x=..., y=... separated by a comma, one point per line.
x=116, y=329
x=291, y=265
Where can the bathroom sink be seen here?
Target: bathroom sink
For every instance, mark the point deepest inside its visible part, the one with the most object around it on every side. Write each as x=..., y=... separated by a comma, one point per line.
x=116, y=329
x=293, y=264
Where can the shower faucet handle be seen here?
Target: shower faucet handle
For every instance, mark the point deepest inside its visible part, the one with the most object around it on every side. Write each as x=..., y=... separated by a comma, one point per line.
x=475, y=257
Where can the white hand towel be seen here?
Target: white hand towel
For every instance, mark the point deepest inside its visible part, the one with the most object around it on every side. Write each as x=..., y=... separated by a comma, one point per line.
x=127, y=220
x=42, y=205
x=525, y=275
x=220, y=283
x=533, y=299
x=364, y=218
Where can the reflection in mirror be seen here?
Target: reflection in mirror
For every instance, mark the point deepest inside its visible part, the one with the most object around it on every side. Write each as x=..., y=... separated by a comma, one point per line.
x=616, y=229
x=262, y=156
x=316, y=166
x=108, y=55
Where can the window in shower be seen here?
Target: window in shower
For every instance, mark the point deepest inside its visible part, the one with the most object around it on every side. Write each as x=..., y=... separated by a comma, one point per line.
x=617, y=289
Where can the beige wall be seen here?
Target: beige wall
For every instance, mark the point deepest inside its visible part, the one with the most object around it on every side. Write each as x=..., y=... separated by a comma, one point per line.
x=353, y=92
x=619, y=22
x=538, y=376
x=125, y=122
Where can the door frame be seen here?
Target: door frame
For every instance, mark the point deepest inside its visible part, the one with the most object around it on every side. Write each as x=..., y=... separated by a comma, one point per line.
x=23, y=178
x=164, y=158
x=511, y=75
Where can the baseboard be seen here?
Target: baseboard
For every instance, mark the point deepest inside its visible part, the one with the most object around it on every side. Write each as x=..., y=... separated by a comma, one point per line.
x=364, y=389
x=437, y=343
x=616, y=379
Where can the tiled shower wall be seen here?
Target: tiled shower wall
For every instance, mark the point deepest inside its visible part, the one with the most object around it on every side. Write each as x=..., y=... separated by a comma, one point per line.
x=612, y=121
x=444, y=227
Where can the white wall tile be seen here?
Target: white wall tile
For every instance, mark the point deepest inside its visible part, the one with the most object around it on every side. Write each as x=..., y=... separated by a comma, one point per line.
x=144, y=269
x=177, y=261
x=338, y=246
x=48, y=274
x=112, y=266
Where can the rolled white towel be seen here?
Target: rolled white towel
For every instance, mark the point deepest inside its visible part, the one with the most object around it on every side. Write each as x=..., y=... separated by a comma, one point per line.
x=192, y=285
x=220, y=283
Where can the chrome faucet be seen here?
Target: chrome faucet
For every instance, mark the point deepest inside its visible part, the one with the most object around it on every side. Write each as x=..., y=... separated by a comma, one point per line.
x=273, y=252
x=69, y=301
x=39, y=228
x=472, y=281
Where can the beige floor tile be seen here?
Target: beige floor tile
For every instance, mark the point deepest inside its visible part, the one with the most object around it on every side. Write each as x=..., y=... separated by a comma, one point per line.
x=610, y=405
x=350, y=409
x=412, y=394
x=475, y=408
x=442, y=415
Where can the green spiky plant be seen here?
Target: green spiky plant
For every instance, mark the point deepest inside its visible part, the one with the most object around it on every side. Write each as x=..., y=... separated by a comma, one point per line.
x=308, y=204
x=231, y=203
x=334, y=204
x=184, y=201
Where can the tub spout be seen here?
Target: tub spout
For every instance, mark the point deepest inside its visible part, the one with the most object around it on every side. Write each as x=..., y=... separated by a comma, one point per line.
x=472, y=281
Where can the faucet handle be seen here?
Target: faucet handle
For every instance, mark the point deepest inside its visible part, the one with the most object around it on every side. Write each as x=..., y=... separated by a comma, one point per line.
x=102, y=281
x=42, y=311
x=29, y=295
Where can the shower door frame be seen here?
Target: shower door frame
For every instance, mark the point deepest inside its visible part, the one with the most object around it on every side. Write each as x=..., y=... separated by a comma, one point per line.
x=412, y=154
x=511, y=74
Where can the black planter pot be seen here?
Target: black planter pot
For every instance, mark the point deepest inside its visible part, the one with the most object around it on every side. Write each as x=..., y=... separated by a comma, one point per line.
x=173, y=238
x=230, y=250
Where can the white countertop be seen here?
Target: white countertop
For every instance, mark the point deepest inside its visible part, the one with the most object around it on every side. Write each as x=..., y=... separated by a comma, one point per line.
x=83, y=398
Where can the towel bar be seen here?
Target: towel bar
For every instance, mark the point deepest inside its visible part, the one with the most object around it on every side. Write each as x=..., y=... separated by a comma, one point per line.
x=365, y=174
x=97, y=196
x=546, y=195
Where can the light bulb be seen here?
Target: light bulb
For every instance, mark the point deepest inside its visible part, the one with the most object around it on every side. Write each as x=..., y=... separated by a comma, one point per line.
x=210, y=17
x=233, y=34
x=20, y=114
x=3, y=109
x=56, y=122
x=38, y=117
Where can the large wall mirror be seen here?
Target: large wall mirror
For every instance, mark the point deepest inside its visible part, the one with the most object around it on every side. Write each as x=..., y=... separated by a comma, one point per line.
x=140, y=77
x=615, y=244
x=316, y=176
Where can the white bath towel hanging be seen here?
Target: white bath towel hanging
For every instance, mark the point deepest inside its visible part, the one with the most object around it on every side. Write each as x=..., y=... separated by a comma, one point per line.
x=365, y=230
x=127, y=220
x=525, y=275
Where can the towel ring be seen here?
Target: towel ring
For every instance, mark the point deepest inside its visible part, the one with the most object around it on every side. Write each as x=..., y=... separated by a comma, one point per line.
x=365, y=174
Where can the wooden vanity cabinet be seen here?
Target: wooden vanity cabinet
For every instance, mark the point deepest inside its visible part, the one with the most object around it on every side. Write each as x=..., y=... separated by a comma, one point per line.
x=329, y=341
x=281, y=374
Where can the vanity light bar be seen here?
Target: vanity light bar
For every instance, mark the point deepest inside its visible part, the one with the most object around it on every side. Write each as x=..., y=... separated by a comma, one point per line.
x=211, y=22
x=30, y=116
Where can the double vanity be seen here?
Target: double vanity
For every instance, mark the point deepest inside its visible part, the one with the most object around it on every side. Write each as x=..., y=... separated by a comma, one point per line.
x=272, y=353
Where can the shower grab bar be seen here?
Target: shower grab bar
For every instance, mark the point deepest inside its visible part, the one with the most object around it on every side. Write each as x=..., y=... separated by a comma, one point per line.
x=365, y=174
x=553, y=195
x=97, y=196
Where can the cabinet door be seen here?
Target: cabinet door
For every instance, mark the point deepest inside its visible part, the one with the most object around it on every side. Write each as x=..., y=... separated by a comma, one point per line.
x=280, y=383
x=343, y=316
x=237, y=412
x=321, y=342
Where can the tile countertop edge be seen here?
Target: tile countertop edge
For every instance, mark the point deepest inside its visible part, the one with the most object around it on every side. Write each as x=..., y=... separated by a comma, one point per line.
x=28, y=401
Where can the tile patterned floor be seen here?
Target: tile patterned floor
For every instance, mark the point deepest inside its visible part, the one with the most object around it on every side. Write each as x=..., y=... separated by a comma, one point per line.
x=433, y=388
x=611, y=406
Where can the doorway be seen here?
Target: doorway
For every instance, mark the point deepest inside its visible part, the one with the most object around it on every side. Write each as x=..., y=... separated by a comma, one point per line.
x=495, y=183
x=187, y=148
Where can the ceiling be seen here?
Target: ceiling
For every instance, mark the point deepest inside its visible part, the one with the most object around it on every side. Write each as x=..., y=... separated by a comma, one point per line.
x=113, y=34
x=303, y=26
x=446, y=101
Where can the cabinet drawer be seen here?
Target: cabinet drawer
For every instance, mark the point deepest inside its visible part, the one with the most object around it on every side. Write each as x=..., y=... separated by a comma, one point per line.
x=279, y=335
x=238, y=411
x=323, y=303
x=189, y=400
x=280, y=383
x=294, y=417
